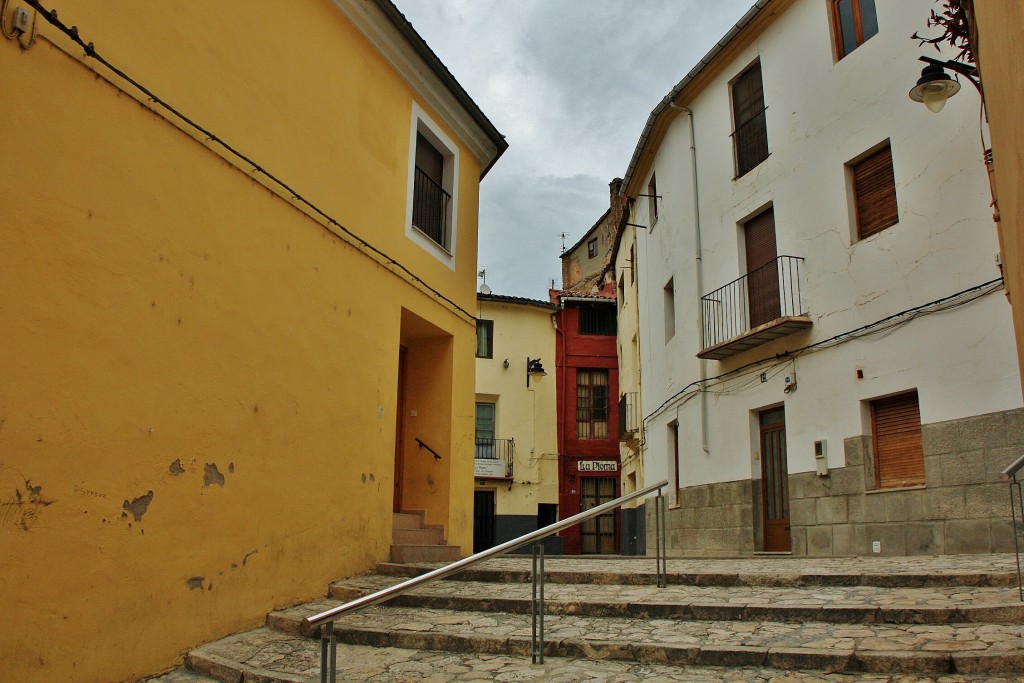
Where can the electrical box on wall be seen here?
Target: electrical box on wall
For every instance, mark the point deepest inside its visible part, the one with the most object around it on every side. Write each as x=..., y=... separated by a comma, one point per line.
x=821, y=457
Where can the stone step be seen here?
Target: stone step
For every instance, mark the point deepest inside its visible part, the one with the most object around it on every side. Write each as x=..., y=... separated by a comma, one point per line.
x=978, y=571
x=873, y=648
x=837, y=604
x=407, y=520
x=402, y=553
x=270, y=656
x=417, y=537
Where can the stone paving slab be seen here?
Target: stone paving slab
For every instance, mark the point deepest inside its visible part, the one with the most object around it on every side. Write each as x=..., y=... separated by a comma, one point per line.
x=917, y=571
x=270, y=656
x=825, y=603
x=924, y=648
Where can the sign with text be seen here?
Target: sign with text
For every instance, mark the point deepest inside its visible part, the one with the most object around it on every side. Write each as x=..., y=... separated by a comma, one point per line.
x=597, y=466
x=489, y=467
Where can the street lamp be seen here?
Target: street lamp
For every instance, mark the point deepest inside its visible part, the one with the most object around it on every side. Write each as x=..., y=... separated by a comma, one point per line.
x=936, y=86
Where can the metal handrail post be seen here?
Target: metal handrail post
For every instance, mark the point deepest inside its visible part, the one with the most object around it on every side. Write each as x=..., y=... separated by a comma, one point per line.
x=538, y=555
x=1010, y=473
x=533, y=607
x=1015, y=484
x=328, y=653
x=661, y=557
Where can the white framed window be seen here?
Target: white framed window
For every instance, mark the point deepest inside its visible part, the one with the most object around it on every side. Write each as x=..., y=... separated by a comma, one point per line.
x=431, y=216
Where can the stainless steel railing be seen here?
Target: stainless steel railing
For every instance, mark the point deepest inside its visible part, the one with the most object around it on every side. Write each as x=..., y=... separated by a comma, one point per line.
x=1017, y=505
x=328, y=642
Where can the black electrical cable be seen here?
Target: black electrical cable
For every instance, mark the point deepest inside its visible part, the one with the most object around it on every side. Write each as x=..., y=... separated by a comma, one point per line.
x=90, y=51
x=931, y=307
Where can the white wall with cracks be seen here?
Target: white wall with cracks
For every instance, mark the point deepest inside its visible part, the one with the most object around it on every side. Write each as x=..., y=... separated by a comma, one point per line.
x=821, y=114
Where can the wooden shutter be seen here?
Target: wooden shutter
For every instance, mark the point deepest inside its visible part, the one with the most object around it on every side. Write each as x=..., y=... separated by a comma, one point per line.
x=899, y=454
x=874, y=189
x=429, y=160
x=762, y=278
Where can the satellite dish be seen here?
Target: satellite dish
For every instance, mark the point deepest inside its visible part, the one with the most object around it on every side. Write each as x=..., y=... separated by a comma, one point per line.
x=484, y=289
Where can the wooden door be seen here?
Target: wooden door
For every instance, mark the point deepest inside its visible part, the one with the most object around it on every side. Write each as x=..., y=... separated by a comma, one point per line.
x=483, y=520
x=762, y=269
x=775, y=481
x=600, y=534
x=403, y=352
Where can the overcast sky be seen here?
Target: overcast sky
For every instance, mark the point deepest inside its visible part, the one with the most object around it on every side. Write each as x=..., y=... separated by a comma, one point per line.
x=570, y=84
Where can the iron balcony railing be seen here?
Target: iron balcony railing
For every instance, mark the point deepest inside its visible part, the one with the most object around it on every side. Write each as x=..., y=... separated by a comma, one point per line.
x=430, y=208
x=768, y=293
x=326, y=619
x=628, y=408
x=501, y=450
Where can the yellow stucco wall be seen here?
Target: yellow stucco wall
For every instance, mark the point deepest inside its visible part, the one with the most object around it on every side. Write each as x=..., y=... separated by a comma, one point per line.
x=1000, y=55
x=197, y=410
x=528, y=415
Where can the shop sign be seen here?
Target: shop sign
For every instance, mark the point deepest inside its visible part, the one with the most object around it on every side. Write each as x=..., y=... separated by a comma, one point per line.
x=597, y=466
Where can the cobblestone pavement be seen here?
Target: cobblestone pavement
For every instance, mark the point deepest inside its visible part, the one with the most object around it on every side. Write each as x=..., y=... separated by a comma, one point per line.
x=875, y=637
x=820, y=596
x=943, y=565
x=297, y=659
x=922, y=614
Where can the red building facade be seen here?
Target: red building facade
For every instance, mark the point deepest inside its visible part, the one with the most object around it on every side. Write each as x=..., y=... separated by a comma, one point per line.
x=588, y=421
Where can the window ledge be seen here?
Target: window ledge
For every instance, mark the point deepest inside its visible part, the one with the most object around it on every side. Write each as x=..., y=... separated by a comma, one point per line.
x=916, y=487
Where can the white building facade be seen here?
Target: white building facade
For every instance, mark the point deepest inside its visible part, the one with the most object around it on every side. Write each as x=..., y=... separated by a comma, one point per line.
x=827, y=355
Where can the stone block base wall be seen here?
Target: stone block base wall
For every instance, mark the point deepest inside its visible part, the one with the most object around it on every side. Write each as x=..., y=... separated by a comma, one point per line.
x=964, y=506
x=710, y=520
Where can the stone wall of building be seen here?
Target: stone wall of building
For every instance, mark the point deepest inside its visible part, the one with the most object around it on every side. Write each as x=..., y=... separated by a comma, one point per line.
x=964, y=506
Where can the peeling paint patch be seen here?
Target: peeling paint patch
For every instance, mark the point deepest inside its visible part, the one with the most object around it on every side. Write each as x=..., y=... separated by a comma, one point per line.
x=176, y=467
x=211, y=475
x=231, y=467
x=195, y=582
x=22, y=511
x=138, y=506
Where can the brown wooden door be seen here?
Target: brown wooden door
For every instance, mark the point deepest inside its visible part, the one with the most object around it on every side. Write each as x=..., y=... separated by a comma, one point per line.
x=775, y=481
x=403, y=352
x=600, y=534
x=762, y=268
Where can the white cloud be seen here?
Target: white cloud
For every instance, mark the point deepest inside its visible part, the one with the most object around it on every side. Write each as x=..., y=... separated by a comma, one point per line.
x=570, y=83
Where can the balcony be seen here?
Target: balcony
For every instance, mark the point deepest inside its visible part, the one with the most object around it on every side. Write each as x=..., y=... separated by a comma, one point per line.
x=628, y=418
x=494, y=458
x=763, y=305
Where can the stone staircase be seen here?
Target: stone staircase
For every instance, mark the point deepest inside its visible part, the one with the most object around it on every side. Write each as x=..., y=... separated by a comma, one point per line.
x=413, y=541
x=953, y=618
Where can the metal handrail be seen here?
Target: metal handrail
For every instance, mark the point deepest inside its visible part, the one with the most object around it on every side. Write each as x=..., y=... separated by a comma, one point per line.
x=1011, y=470
x=465, y=563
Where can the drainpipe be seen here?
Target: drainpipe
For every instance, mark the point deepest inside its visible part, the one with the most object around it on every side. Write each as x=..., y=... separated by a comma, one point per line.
x=699, y=273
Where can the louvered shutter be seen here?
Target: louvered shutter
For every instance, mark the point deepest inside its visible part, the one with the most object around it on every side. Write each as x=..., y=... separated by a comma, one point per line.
x=899, y=455
x=874, y=187
x=762, y=271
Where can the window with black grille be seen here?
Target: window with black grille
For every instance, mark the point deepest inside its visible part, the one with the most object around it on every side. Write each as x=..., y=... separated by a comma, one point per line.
x=598, y=319
x=430, y=199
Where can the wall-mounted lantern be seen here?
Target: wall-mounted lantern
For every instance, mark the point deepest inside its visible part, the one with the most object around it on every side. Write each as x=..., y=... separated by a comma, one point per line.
x=533, y=367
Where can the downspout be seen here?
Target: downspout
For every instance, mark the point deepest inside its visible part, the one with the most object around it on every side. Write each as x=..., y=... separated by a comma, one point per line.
x=699, y=273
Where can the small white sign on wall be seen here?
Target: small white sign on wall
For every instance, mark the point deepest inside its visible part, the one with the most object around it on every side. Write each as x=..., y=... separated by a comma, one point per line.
x=489, y=467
